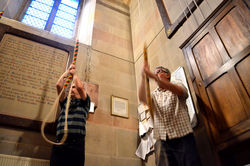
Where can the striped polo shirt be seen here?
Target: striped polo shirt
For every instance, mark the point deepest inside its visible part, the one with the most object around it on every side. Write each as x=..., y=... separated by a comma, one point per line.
x=77, y=115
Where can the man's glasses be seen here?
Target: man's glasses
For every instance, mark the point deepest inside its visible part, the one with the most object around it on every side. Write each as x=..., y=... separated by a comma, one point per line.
x=160, y=70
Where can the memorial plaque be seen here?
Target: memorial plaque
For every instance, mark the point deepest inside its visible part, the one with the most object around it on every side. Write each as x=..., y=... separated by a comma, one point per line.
x=28, y=75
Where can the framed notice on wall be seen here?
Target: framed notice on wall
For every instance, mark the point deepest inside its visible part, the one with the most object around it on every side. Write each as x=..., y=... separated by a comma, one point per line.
x=178, y=76
x=119, y=106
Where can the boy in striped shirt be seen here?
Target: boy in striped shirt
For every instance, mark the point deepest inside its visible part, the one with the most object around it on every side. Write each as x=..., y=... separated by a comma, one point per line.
x=72, y=152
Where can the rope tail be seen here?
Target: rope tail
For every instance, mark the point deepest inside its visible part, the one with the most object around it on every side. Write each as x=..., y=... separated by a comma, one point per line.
x=54, y=109
x=55, y=105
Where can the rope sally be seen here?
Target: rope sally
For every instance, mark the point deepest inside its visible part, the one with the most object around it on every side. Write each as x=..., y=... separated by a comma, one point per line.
x=56, y=103
x=1, y=14
x=148, y=94
x=73, y=62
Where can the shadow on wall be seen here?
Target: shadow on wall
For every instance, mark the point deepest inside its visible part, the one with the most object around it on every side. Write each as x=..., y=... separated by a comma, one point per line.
x=30, y=143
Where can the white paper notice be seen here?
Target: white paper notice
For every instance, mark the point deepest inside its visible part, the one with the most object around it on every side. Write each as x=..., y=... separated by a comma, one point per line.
x=92, y=107
x=179, y=76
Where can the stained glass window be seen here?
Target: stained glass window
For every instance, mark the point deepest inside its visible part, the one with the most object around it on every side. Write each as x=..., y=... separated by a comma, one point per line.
x=56, y=16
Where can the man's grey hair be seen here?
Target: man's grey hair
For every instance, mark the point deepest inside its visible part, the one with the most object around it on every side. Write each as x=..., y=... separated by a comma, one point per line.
x=164, y=69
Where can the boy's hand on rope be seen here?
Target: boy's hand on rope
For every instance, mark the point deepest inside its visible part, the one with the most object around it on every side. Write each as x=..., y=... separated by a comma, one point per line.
x=72, y=69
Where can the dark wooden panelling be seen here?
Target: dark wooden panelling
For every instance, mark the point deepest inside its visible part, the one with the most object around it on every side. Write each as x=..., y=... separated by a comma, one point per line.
x=192, y=76
x=236, y=35
x=206, y=24
x=219, y=45
x=207, y=56
x=227, y=66
x=243, y=69
x=229, y=110
x=218, y=57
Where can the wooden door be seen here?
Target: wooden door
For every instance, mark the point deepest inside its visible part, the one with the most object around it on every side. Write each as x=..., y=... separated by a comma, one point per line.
x=219, y=63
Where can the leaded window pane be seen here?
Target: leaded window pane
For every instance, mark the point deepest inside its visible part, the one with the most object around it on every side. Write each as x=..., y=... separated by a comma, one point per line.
x=33, y=21
x=37, y=13
x=71, y=3
x=48, y=2
x=62, y=31
x=64, y=23
x=41, y=6
x=67, y=9
x=65, y=16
